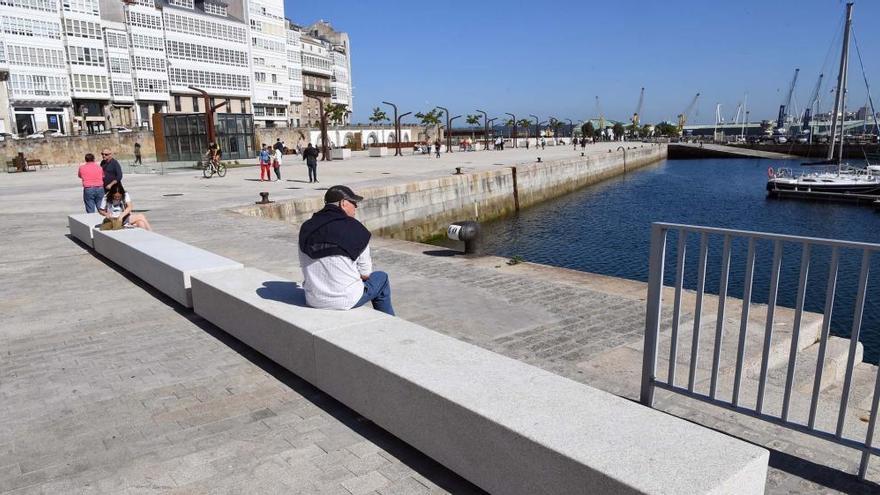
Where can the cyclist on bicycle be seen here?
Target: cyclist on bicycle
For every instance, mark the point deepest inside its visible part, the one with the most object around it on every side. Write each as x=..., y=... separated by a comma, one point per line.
x=214, y=153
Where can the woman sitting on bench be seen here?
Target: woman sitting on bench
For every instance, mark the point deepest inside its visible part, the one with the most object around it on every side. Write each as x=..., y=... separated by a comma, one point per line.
x=116, y=209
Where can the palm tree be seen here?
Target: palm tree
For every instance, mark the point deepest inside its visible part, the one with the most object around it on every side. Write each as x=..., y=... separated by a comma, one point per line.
x=473, y=120
x=431, y=118
x=378, y=116
x=336, y=112
x=524, y=124
x=587, y=130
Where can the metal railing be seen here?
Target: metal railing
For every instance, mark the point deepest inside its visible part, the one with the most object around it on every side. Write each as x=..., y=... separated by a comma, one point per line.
x=809, y=248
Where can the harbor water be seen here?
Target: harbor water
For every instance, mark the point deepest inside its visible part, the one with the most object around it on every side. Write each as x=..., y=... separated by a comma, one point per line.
x=605, y=229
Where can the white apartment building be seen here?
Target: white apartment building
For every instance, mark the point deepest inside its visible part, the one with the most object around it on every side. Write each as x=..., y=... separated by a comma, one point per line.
x=88, y=65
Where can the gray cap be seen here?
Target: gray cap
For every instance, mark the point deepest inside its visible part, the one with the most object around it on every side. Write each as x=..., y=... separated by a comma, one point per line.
x=338, y=193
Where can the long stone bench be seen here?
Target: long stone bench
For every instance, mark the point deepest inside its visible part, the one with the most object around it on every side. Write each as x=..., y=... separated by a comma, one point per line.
x=506, y=426
x=81, y=226
x=160, y=261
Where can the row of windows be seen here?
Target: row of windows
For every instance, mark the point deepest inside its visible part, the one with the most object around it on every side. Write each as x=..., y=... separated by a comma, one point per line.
x=85, y=56
x=149, y=63
x=152, y=85
x=187, y=4
x=30, y=85
x=216, y=80
x=81, y=6
x=44, y=5
x=275, y=46
x=215, y=9
x=38, y=57
x=261, y=111
x=31, y=27
x=82, y=29
x=315, y=62
x=115, y=39
x=147, y=42
x=89, y=83
x=203, y=53
x=146, y=3
x=294, y=74
x=119, y=65
x=121, y=88
x=144, y=20
x=204, y=27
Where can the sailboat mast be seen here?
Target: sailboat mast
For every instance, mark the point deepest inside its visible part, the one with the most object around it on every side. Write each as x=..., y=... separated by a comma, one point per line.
x=841, y=83
x=842, y=112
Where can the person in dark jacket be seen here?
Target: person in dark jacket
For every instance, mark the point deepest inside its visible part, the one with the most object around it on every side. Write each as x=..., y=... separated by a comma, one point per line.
x=310, y=155
x=112, y=169
x=334, y=254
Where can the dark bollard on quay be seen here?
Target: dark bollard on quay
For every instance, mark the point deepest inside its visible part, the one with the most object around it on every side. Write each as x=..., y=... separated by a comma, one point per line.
x=468, y=232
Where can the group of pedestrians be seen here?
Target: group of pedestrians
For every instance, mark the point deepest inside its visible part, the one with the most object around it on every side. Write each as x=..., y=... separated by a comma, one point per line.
x=271, y=158
x=103, y=193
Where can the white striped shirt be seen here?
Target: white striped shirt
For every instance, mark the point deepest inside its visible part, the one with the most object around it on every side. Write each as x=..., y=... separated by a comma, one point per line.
x=334, y=282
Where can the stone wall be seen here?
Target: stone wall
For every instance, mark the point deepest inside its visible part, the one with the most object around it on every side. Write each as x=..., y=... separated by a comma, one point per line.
x=423, y=209
x=70, y=150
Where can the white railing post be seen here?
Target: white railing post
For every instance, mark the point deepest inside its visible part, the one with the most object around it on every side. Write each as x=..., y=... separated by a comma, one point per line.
x=654, y=307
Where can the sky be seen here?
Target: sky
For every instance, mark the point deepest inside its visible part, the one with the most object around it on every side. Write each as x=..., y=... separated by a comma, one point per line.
x=555, y=58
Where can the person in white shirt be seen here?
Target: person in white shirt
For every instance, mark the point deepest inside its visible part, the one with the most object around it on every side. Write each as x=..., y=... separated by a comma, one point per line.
x=276, y=163
x=334, y=254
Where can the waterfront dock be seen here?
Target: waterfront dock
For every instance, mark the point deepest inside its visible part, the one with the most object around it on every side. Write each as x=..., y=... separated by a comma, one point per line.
x=708, y=150
x=111, y=386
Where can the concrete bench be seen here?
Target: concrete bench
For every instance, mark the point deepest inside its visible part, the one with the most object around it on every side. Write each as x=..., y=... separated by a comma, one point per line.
x=81, y=226
x=504, y=425
x=270, y=315
x=162, y=262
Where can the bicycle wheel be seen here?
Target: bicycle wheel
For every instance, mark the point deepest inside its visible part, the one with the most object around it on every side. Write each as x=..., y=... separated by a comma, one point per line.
x=221, y=170
x=208, y=170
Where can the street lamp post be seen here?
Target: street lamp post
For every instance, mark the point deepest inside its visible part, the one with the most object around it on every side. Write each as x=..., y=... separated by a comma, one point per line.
x=485, y=129
x=489, y=124
x=448, y=136
x=209, y=113
x=449, y=130
x=513, y=117
x=537, y=128
x=325, y=154
x=396, y=128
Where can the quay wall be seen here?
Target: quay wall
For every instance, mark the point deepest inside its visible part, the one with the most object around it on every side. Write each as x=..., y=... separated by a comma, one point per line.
x=422, y=209
x=70, y=150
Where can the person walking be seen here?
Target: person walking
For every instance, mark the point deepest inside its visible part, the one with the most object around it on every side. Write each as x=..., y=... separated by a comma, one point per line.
x=265, y=162
x=543, y=143
x=279, y=146
x=334, y=255
x=437, y=148
x=276, y=163
x=137, y=154
x=574, y=144
x=112, y=169
x=92, y=182
x=310, y=155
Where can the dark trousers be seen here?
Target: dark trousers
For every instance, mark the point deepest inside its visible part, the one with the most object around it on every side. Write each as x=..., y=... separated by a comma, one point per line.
x=278, y=171
x=313, y=172
x=137, y=159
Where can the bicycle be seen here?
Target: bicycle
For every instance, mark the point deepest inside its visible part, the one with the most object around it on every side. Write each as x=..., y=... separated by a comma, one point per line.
x=211, y=167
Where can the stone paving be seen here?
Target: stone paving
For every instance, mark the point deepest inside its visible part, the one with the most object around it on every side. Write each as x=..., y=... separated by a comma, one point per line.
x=109, y=387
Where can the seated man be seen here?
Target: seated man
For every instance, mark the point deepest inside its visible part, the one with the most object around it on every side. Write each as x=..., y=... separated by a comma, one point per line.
x=334, y=254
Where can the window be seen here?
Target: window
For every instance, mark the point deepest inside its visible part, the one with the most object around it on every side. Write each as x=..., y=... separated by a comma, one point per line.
x=31, y=27
x=195, y=103
x=81, y=6
x=275, y=78
x=273, y=46
x=215, y=9
x=143, y=19
x=44, y=5
x=260, y=76
x=30, y=85
x=115, y=39
x=152, y=85
x=313, y=62
x=148, y=63
x=37, y=57
x=206, y=53
x=79, y=55
x=121, y=88
x=146, y=3
x=82, y=29
x=88, y=83
x=204, y=27
x=146, y=42
x=187, y=4
x=177, y=105
x=228, y=106
x=119, y=65
x=244, y=105
x=206, y=79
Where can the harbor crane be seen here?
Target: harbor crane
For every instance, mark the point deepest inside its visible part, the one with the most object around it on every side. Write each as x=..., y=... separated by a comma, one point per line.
x=780, y=120
x=683, y=116
x=638, y=112
x=813, y=102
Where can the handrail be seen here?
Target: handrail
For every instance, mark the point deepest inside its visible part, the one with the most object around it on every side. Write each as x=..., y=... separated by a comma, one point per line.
x=650, y=380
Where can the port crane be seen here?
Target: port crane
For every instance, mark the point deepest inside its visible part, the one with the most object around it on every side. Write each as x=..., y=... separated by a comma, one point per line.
x=637, y=113
x=683, y=116
x=783, y=109
x=812, y=103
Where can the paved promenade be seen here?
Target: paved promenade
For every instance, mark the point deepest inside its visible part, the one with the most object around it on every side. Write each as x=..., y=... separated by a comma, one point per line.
x=110, y=387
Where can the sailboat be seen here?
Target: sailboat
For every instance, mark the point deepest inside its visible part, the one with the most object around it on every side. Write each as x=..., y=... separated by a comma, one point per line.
x=844, y=179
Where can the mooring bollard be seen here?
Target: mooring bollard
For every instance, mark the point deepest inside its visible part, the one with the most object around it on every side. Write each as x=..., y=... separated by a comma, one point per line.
x=539, y=159
x=468, y=232
x=264, y=200
x=458, y=171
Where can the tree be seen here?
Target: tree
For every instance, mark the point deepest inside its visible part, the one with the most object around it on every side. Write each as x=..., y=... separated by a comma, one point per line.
x=647, y=130
x=587, y=130
x=378, y=116
x=666, y=129
x=618, y=130
x=336, y=112
x=431, y=118
x=474, y=121
x=633, y=130
x=525, y=124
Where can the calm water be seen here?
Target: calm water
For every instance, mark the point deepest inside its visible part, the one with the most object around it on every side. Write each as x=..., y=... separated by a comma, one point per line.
x=606, y=228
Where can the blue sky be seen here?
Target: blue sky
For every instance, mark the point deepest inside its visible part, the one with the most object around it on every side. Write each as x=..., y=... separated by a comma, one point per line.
x=554, y=58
